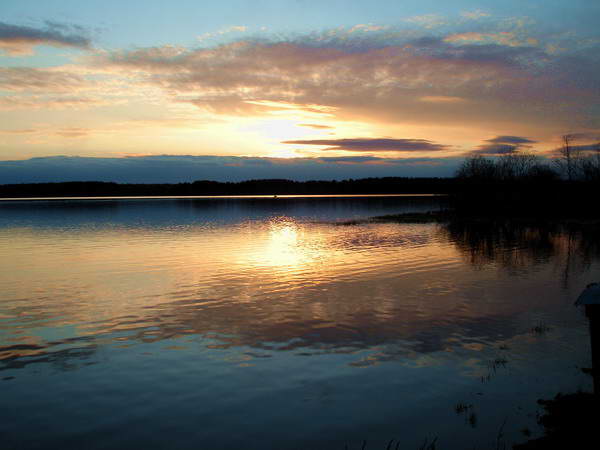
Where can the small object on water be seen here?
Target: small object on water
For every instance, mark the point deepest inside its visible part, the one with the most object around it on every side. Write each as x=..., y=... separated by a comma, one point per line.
x=540, y=328
x=590, y=295
x=462, y=407
x=590, y=298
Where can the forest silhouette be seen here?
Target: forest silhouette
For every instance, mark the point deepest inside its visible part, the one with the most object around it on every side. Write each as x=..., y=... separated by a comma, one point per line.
x=515, y=182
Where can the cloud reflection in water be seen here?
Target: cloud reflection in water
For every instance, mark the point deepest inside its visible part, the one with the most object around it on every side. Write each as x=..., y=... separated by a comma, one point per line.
x=277, y=284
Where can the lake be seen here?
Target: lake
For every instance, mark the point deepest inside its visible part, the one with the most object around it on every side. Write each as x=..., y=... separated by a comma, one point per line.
x=271, y=323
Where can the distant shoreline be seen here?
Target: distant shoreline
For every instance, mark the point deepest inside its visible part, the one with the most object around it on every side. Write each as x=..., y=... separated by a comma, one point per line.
x=215, y=197
x=206, y=188
x=467, y=197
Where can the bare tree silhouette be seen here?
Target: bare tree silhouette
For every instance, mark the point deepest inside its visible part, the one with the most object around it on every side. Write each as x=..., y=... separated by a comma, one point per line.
x=569, y=158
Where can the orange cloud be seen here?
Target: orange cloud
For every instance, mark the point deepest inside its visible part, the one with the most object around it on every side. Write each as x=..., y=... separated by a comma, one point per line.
x=441, y=99
x=29, y=79
x=13, y=102
x=375, y=83
x=420, y=81
x=315, y=126
x=503, y=38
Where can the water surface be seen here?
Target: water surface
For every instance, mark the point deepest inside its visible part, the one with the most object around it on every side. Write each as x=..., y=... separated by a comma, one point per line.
x=266, y=324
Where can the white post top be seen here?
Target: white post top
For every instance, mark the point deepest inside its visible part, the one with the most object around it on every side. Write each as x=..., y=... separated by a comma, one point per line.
x=590, y=295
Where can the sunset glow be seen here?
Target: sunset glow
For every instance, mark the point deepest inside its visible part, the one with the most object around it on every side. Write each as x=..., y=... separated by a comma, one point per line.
x=270, y=83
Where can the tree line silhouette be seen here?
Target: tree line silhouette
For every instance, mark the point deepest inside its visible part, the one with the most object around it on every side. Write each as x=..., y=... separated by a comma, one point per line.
x=516, y=181
x=389, y=185
x=573, y=164
x=523, y=183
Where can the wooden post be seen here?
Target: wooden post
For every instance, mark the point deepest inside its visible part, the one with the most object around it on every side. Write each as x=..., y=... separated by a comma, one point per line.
x=593, y=314
x=590, y=298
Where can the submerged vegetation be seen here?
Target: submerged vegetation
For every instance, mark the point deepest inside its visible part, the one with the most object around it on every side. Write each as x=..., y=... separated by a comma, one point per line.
x=540, y=329
x=427, y=445
x=569, y=421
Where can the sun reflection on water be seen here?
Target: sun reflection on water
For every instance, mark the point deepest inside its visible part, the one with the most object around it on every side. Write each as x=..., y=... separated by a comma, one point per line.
x=285, y=246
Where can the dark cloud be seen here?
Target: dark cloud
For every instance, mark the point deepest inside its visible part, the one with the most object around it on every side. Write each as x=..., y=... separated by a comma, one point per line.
x=581, y=150
x=20, y=39
x=66, y=27
x=184, y=168
x=351, y=159
x=589, y=136
x=516, y=140
x=373, y=144
x=503, y=145
x=589, y=148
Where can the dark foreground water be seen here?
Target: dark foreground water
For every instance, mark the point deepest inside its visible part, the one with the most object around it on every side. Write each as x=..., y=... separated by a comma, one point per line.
x=260, y=324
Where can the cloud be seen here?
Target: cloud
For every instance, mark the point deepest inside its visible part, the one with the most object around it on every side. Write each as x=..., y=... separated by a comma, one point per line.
x=502, y=38
x=428, y=20
x=503, y=145
x=61, y=88
x=578, y=150
x=19, y=40
x=45, y=132
x=315, y=126
x=73, y=132
x=18, y=131
x=517, y=140
x=586, y=136
x=186, y=168
x=361, y=27
x=387, y=75
x=372, y=144
x=391, y=77
x=119, y=130
x=27, y=79
x=10, y=102
x=475, y=15
x=588, y=148
x=590, y=145
x=441, y=99
x=351, y=159
x=227, y=30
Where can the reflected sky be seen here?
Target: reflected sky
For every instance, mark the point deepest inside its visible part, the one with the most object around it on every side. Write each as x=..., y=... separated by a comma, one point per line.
x=299, y=304
x=164, y=212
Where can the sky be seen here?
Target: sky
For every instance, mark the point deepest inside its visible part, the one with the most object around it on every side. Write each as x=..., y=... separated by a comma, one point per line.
x=145, y=91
